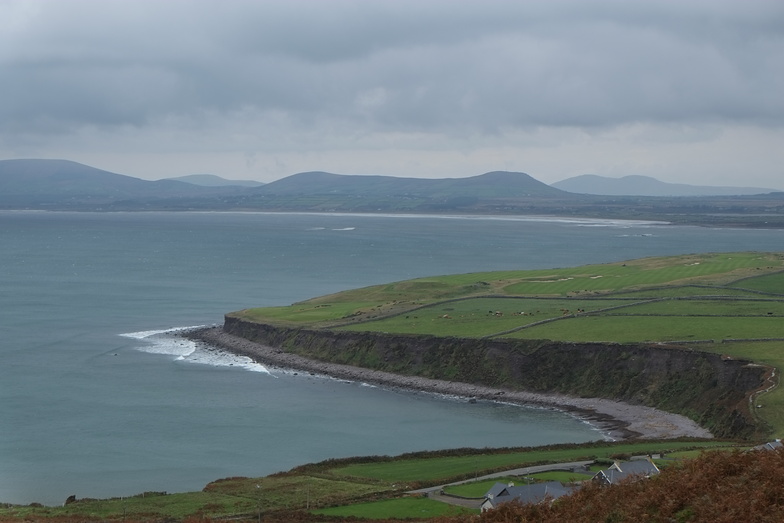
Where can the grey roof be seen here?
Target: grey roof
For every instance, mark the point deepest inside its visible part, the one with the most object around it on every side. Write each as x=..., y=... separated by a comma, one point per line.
x=533, y=493
x=771, y=445
x=496, y=489
x=619, y=471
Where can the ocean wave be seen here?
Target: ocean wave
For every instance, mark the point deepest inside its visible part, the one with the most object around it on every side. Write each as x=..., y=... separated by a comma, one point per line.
x=140, y=335
x=163, y=342
x=166, y=342
x=218, y=358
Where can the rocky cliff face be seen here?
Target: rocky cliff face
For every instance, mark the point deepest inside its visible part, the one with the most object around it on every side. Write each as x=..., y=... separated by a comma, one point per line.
x=703, y=386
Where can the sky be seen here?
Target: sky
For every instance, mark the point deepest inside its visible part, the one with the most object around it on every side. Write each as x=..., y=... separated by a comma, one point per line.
x=684, y=91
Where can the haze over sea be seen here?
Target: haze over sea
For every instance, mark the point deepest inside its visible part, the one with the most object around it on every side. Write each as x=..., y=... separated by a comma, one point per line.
x=96, y=400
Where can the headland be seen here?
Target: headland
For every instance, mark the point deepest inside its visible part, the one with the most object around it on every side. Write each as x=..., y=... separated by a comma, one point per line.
x=618, y=420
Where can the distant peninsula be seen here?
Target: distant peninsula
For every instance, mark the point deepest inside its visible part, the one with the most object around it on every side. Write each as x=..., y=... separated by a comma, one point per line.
x=616, y=343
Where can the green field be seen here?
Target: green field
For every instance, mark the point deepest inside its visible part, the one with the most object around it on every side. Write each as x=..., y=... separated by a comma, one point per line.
x=712, y=299
x=438, y=469
x=405, y=507
x=358, y=305
x=479, y=316
x=656, y=328
x=466, y=304
x=685, y=291
x=134, y=508
x=371, y=489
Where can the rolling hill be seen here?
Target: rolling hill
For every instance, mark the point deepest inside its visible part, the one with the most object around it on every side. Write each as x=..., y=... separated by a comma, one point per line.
x=497, y=184
x=635, y=185
x=64, y=184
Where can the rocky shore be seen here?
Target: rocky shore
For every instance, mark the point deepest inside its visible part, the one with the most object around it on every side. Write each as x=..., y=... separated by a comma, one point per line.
x=616, y=419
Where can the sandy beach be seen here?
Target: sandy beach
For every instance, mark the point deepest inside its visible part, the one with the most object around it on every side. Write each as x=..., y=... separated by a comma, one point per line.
x=616, y=419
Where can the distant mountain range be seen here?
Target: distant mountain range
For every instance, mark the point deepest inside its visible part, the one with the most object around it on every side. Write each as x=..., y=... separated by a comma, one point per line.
x=44, y=184
x=635, y=185
x=66, y=185
x=497, y=184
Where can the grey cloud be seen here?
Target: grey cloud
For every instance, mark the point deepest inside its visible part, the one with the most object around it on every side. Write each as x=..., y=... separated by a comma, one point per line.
x=442, y=66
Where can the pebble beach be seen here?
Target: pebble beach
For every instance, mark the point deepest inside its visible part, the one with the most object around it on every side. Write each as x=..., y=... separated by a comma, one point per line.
x=617, y=420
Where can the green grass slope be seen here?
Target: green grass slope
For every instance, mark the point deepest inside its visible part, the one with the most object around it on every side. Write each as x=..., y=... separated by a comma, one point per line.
x=371, y=487
x=581, y=287
x=727, y=303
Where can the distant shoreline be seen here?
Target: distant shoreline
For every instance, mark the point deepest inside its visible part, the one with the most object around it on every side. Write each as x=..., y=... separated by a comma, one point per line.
x=713, y=221
x=616, y=419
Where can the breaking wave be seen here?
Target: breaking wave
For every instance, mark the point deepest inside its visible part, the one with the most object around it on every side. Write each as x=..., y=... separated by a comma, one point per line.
x=167, y=342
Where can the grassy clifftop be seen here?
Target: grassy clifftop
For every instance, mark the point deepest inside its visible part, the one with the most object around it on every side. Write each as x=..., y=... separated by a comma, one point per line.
x=524, y=297
x=665, y=332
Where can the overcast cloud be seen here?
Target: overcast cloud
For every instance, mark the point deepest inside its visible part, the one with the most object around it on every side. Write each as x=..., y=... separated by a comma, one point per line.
x=685, y=91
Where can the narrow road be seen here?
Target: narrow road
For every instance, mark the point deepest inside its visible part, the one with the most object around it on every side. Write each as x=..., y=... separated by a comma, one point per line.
x=525, y=471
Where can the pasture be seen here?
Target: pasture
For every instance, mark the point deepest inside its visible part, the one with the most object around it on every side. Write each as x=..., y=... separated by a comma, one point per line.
x=374, y=488
x=731, y=303
x=632, y=328
x=476, y=317
x=470, y=297
x=406, y=507
x=444, y=468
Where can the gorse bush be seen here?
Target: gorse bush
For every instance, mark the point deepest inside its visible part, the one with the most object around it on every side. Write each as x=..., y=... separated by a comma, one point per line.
x=717, y=487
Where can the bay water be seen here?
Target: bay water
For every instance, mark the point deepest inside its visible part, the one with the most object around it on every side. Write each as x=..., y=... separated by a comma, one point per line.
x=98, y=399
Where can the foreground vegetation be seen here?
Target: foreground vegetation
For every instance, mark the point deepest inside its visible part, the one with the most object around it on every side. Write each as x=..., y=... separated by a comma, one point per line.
x=715, y=487
x=370, y=487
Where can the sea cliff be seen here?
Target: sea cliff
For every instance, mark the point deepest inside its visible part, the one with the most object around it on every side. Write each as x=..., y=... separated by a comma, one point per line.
x=625, y=387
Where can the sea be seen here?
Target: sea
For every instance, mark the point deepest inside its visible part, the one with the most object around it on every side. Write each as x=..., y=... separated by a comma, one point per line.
x=100, y=398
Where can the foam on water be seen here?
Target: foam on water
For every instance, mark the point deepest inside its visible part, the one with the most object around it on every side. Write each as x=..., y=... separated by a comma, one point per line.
x=162, y=342
x=165, y=342
x=141, y=335
x=218, y=358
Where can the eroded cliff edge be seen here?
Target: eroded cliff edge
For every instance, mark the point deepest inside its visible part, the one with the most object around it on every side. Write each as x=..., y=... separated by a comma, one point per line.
x=707, y=388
